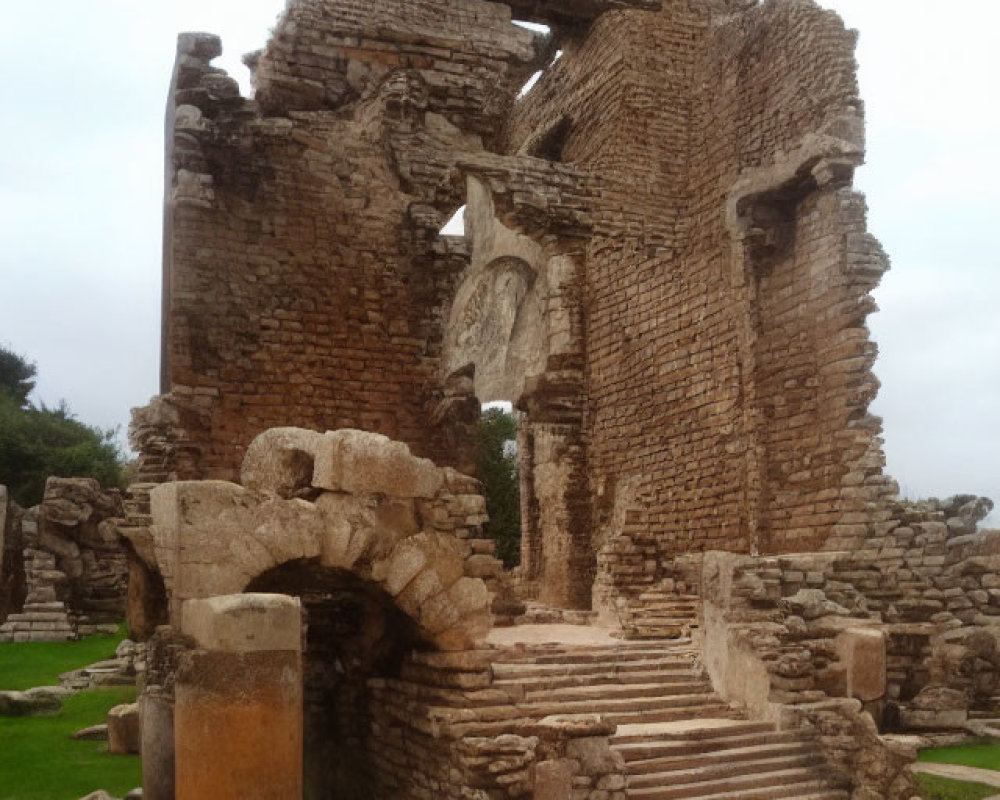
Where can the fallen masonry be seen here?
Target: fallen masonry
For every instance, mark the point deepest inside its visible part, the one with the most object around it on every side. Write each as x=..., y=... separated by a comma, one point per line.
x=666, y=270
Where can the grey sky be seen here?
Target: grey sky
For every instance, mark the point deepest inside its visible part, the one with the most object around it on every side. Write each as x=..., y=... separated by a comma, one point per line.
x=80, y=203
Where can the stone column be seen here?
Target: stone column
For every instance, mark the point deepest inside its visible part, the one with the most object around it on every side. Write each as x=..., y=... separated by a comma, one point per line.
x=238, y=715
x=156, y=710
x=558, y=553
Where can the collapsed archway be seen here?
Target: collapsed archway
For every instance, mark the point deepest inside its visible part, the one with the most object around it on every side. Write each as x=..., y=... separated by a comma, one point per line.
x=353, y=631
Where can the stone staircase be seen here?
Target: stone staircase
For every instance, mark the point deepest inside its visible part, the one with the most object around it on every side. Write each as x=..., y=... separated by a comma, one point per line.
x=722, y=760
x=661, y=613
x=44, y=618
x=678, y=738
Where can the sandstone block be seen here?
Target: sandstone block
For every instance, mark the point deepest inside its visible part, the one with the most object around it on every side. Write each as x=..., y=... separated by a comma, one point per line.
x=862, y=651
x=94, y=733
x=245, y=623
x=554, y=780
x=280, y=460
x=359, y=462
x=123, y=729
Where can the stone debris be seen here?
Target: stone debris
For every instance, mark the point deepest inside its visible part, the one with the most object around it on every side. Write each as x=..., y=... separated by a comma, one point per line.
x=123, y=730
x=93, y=733
x=43, y=700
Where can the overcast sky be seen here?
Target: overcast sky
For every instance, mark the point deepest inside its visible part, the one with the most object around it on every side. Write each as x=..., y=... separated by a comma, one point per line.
x=81, y=191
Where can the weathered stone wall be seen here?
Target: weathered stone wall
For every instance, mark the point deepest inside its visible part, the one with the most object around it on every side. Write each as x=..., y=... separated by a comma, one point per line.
x=305, y=277
x=665, y=266
x=64, y=569
x=727, y=277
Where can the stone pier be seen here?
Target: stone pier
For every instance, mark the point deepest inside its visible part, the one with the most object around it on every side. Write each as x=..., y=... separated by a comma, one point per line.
x=238, y=715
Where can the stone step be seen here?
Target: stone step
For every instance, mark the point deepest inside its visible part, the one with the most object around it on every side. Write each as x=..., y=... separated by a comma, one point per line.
x=772, y=785
x=522, y=671
x=46, y=606
x=546, y=682
x=693, y=749
x=632, y=709
x=521, y=724
x=721, y=767
x=623, y=651
x=669, y=734
x=646, y=691
x=665, y=632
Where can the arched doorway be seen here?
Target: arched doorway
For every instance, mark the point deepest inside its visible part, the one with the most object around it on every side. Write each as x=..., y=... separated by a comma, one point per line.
x=353, y=631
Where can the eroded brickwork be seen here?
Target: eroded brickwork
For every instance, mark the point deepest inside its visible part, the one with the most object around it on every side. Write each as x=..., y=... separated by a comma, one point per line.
x=677, y=267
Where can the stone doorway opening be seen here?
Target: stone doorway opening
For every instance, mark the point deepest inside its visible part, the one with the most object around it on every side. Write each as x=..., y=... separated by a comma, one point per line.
x=515, y=335
x=352, y=631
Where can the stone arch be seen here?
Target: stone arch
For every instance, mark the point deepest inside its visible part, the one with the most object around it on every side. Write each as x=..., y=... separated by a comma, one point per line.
x=371, y=509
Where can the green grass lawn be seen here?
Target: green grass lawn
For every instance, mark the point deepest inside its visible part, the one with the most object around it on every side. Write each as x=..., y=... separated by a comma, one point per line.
x=25, y=665
x=934, y=788
x=39, y=760
x=981, y=754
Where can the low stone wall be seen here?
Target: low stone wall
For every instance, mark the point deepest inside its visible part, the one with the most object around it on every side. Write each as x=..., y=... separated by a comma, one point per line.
x=461, y=748
x=799, y=659
x=899, y=634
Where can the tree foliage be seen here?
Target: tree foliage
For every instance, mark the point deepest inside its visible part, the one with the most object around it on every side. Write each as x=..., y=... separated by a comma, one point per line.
x=38, y=442
x=499, y=474
x=16, y=376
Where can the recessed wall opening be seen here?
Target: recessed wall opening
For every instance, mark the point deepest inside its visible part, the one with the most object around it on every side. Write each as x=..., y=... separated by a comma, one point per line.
x=353, y=632
x=499, y=469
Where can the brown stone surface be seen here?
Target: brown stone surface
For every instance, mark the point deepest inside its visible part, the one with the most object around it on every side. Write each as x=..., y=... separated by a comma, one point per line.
x=238, y=726
x=554, y=780
x=123, y=730
x=863, y=654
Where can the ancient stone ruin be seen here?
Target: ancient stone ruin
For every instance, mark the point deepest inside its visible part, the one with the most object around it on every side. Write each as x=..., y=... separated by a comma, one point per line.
x=666, y=269
x=63, y=565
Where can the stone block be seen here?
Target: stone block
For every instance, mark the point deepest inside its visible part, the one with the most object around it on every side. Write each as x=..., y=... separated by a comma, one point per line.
x=245, y=623
x=360, y=462
x=554, y=780
x=863, y=654
x=280, y=460
x=28, y=704
x=123, y=730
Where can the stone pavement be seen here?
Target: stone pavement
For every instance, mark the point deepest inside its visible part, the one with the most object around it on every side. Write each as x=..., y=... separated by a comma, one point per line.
x=958, y=772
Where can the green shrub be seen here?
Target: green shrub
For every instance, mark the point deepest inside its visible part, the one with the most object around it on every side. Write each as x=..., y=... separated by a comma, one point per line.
x=38, y=442
x=499, y=474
